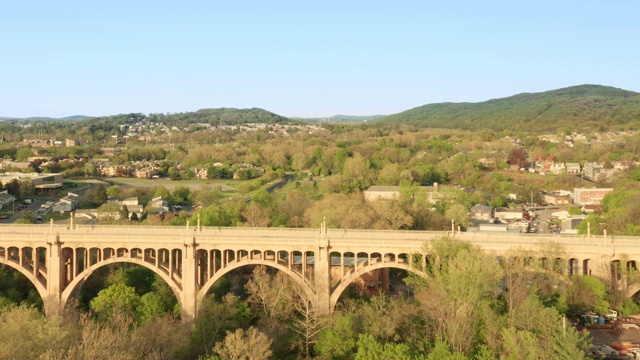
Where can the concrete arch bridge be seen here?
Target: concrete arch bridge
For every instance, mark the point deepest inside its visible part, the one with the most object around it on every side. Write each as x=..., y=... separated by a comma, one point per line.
x=58, y=259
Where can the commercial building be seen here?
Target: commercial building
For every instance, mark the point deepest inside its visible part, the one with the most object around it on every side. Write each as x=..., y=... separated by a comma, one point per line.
x=590, y=196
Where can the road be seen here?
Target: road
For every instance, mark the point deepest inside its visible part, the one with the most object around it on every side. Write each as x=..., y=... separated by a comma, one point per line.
x=275, y=186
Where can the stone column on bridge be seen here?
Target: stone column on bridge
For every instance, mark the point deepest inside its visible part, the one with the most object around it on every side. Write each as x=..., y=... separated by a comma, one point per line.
x=189, y=291
x=52, y=301
x=322, y=273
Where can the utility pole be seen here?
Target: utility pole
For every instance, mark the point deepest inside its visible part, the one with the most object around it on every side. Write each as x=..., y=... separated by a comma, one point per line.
x=532, y=198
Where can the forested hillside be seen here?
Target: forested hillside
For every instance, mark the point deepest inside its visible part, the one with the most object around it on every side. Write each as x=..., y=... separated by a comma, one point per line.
x=594, y=106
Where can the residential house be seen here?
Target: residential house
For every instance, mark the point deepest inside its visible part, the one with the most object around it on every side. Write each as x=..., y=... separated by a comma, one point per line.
x=6, y=198
x=133, y=206
x=159, y=205
x=108, y=170
x=573, y=168
x=66, y=204
x=137, y=209
x=543, y=164
x=557, y=168
x=592, y=170
x=146, y=173
x=130, y=201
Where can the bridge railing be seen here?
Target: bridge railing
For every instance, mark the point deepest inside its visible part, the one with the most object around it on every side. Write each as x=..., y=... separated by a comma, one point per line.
x=339, y=238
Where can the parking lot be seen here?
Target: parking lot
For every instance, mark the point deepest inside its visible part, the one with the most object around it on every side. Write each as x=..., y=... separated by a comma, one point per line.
x=38, y=206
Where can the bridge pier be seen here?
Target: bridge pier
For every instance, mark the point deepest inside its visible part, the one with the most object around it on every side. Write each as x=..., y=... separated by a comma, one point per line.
x=189, y=292
x=322, y=273
x=52, y=300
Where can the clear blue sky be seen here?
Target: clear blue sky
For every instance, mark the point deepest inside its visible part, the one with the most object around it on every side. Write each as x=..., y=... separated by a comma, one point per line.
x=304, y=58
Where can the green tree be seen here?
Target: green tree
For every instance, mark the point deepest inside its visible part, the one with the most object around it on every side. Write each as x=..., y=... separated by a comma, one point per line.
x=339, y=341
x=27, y=188
x=461, y=281
x=116, y=298
x=24, y=153
x=188, y=174
x=173, y=173
x=31, y=334
x=181, y=194
x=587, y=293
x=13, y=187
x=574, y=210
x=164, y=193
x=226, y=214
x=100, y=196
x=532, y=321
x=151, y=306
x=28, y=217
x=370, y=349
x=213, y=320
x=89, y=170
x=592, y=223
x=124, y=213
x=113, y=191
x=441, y=352
x=459, y=214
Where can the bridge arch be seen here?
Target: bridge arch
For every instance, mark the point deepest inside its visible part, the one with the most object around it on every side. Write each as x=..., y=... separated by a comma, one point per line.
x=236, y=265
x=72, y=289
x=40, y=288
x=350, y=277
x=632, y=290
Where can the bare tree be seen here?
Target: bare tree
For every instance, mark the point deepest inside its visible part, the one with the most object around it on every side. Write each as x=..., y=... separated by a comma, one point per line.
x=269, y=296
x=307, y=323
x=244, y=345
x=256, y=216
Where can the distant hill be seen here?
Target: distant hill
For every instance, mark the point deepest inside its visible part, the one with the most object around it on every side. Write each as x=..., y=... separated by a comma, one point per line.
x=223, y=116
x=44, y=118
x=577, y=107
x=355, y=117
x=219, y=116
x=75, y=117
x=341, y=118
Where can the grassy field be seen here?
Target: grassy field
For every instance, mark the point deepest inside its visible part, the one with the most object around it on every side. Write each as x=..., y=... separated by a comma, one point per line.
x=171, y=184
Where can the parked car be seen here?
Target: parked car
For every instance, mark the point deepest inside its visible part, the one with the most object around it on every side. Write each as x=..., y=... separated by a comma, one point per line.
x=4, y=217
